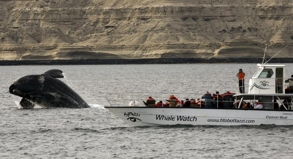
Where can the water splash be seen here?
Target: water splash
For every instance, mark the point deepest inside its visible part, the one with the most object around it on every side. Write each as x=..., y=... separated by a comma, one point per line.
x=66, y=79
x=97, y=106
x=18, y=105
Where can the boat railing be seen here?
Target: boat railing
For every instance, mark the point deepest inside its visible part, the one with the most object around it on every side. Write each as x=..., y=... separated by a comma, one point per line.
x=124, y=98
x=277, y=104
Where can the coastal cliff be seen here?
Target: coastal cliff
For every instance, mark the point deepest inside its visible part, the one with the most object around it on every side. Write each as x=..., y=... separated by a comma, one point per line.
x=133, y=29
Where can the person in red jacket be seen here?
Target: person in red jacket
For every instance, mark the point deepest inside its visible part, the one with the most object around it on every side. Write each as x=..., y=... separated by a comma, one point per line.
x=159, y=104
x=150, y=102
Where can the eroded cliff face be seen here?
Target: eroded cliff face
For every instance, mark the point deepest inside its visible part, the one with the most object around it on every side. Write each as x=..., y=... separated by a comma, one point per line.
x=97, y=29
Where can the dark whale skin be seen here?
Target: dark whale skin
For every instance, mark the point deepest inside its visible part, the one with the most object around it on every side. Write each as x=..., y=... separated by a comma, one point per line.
x=47, y=91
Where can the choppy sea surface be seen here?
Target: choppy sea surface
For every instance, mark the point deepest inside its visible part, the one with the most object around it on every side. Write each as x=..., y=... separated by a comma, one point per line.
x=96, y=133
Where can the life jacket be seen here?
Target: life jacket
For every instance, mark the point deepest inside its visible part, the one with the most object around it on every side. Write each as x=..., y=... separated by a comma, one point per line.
x=226, y=94
x=159, y=104
x=198, y=102
x=150, y=99
x=241, y=75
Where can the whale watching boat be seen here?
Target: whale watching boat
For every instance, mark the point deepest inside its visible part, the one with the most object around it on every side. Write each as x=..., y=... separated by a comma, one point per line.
x=267, y=86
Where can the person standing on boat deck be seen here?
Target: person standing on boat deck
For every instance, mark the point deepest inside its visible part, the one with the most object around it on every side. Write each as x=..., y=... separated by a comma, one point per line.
x=241, y=76
x=290, y=81
x=208, y=100
x=217, y=98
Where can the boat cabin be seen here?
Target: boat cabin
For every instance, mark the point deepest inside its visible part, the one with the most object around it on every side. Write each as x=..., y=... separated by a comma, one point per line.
x=267, y=86
x=268, y=79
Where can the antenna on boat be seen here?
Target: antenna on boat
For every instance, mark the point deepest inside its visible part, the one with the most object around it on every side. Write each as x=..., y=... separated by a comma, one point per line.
x=278, y=52
x=264, y=54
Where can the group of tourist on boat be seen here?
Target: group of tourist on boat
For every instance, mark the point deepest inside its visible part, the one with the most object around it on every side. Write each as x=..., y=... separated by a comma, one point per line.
x=216, y=100
x=208, y=100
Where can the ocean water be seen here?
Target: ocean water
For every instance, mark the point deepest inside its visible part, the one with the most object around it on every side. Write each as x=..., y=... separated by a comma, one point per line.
x=96, y=133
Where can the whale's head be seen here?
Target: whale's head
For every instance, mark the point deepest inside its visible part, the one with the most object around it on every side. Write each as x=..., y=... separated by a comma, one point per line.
x=31, y=84
x=27, y=85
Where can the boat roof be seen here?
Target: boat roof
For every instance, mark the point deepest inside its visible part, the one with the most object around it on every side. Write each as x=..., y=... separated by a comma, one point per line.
x=270, y=65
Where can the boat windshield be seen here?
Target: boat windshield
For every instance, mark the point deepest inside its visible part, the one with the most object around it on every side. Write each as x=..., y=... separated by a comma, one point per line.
x=257, y=72
x=266, y=73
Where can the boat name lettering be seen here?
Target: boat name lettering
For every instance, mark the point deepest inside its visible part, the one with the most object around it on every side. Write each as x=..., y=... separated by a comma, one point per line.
x=231, y=120
x=276, y=117
x=176, y=118
x=128, y=114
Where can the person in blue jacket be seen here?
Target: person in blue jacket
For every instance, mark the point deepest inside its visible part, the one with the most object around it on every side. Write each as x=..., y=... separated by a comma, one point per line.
x=208, y=100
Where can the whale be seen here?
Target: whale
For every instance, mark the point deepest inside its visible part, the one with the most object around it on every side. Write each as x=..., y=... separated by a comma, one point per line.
x=46, y=90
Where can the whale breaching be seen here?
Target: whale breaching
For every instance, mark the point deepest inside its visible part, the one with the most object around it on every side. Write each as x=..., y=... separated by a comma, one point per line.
x=46, y=90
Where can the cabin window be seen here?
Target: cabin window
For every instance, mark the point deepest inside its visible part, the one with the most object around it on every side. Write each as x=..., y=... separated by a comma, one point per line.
x=266, y=73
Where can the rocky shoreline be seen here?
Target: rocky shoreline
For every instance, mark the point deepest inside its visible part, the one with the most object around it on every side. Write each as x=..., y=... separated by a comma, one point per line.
x=148, y=29
x=140, y=61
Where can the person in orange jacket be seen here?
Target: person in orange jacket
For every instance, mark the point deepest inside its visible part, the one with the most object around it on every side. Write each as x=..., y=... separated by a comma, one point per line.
x=173, y=101
x=241, y=76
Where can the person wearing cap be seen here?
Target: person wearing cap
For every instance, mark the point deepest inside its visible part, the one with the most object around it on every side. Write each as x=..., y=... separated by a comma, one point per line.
x=241, y=76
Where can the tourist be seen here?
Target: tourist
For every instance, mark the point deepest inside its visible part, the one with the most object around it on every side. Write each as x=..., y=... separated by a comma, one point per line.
x=159, y=104
x=228, y=100
x=133, y=103
x=258, y=105
x=173, y=101
x=208, y=99
x=241, y=76
x=198, y=102
x=150, y=102
x=193, y=103
x=187, y=103
x=218, y=100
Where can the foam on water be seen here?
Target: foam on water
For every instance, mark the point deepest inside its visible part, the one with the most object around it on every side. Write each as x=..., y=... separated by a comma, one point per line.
x=66, y=79
x=97, y=106
x=36, y=106
x=18, y=105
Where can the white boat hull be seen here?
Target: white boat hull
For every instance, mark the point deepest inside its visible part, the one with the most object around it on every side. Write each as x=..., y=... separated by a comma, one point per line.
x=145, y=116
